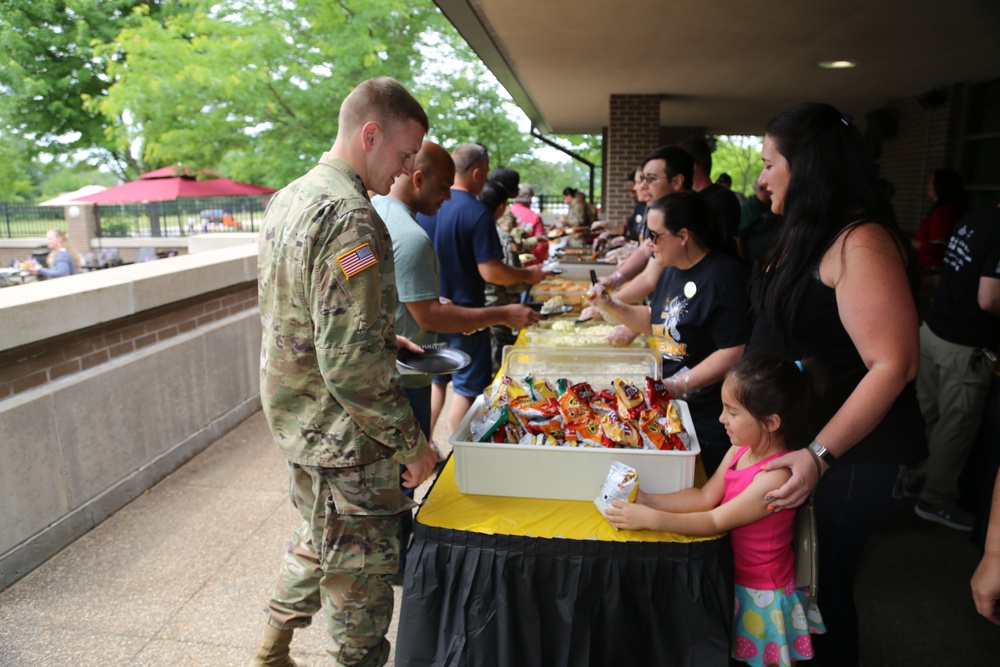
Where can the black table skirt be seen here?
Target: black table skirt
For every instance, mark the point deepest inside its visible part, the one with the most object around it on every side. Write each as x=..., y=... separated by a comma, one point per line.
x=507, y=601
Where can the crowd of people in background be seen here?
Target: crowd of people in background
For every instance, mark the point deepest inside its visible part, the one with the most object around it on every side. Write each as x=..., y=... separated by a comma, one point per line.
x=811, y=271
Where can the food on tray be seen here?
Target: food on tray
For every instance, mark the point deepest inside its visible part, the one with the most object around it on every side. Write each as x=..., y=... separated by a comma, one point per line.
x=532, y=412
x=553, y=305
x=622, y=483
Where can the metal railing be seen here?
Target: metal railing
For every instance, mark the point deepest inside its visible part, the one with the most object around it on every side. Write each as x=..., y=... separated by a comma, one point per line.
x=553, y=204
x=21, y=220
x=181, y=217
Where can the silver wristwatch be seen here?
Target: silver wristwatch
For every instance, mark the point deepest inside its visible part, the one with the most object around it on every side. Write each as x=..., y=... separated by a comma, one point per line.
x=823, y=453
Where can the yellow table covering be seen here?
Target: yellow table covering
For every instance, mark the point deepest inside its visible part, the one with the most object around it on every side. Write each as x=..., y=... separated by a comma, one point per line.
x=446, y=507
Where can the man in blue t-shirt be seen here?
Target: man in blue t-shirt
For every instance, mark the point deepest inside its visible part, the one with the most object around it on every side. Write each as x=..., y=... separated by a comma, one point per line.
x=465, y=239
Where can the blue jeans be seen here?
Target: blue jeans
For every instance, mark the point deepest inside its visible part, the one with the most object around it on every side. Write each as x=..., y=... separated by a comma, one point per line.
x=851, y=500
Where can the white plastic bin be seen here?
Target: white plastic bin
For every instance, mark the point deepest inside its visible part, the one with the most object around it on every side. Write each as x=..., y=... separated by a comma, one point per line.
x=568, y=473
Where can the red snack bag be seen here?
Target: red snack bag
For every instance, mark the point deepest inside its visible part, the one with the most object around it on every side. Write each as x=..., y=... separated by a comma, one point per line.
x=674, y=441
x=630, y=399
x=657, y=395
x=604, y=401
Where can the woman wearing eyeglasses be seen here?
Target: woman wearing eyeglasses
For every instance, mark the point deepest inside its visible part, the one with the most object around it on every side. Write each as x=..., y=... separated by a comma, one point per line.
x=698, y=313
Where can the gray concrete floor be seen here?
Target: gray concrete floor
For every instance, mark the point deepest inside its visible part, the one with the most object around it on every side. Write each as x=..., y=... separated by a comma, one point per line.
x=179, y=576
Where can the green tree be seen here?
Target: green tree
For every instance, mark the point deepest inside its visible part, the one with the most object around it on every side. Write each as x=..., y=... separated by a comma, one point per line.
x=61, y=177
x=464, y=102
x=49, y=65
x=16, y=169
x=738, y=156
x=253, y=88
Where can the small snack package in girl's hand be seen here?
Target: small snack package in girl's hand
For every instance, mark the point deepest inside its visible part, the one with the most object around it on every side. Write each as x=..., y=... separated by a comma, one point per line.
x=622, y=484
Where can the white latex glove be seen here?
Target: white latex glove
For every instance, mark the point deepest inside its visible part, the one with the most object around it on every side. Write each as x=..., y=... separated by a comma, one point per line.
x=621, y=336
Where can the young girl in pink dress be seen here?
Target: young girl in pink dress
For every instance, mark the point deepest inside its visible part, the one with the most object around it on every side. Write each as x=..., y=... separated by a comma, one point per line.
x=768, y=405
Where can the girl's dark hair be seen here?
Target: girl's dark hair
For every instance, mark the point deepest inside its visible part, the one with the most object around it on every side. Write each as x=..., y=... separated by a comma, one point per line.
x=493, y=195
x=832, y=187
x=768, y=385
x=949, y=189
x=569, y=192
x=689, y=210
x=508, y=177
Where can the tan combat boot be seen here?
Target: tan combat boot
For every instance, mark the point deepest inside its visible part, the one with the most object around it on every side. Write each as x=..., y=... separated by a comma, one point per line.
x=273, y=651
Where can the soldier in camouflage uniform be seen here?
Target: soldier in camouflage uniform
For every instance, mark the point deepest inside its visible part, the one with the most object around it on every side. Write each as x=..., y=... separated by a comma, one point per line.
x=327, y=302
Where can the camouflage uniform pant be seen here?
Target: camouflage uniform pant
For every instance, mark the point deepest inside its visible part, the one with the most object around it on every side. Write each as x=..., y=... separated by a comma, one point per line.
x=341, y=557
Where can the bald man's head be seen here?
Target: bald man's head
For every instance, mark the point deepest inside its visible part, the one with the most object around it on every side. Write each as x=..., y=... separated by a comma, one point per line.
x=430, y=183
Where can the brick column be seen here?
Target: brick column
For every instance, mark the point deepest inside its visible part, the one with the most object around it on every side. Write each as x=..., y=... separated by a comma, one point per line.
x=926, y=139
x=82, y=227
x=634, y=131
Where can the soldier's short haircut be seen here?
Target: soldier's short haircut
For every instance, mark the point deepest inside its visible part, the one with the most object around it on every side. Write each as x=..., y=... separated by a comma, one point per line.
x=467, y=155
x=383, y=100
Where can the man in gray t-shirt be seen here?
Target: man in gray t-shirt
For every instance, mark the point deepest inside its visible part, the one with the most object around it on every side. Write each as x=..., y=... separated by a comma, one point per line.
x=420, y=313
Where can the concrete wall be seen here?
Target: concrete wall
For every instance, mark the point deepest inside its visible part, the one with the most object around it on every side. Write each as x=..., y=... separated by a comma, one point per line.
x=75, y=449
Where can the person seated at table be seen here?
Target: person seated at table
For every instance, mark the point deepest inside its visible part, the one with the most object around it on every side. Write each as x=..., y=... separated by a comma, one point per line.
x=63, y=260
x=698, y=313
x=770, y=406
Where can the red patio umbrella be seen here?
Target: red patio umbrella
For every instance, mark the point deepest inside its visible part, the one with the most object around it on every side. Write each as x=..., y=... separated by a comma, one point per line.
x=171, y=183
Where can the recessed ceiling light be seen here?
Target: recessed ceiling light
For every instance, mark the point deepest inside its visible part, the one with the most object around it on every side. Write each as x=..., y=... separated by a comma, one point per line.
x=839, y=64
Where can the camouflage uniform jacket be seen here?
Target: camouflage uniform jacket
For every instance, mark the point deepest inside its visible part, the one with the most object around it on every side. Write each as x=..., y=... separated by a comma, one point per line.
x=327, y=293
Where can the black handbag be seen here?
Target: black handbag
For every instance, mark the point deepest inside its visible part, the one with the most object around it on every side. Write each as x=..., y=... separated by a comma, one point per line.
x=806, y=549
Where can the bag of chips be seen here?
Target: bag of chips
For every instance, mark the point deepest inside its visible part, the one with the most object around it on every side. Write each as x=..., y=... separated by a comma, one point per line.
x=622, y=484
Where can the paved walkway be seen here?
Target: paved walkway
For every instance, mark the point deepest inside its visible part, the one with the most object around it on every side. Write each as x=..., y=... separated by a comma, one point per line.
x=179, y=577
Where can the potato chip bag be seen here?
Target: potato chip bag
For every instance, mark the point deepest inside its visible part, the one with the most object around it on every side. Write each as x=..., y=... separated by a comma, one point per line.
x=622, y=483
x=585, y=432
x=630, y=398
x=575, y=403
x=651, y=430
x=673, y=424
x=618, y=432
x=503, y=390
x=657, y=395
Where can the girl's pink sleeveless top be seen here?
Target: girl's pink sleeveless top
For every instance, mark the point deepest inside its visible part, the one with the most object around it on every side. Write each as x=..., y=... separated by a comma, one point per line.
x=762, y=552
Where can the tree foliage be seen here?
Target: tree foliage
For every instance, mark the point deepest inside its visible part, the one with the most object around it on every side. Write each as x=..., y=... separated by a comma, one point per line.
x=250, y=88
x=49, y=65
x=738, y=156
x=253, y=88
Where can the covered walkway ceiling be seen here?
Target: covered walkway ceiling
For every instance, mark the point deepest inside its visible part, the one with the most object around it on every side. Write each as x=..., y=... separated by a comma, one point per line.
x=726, y=66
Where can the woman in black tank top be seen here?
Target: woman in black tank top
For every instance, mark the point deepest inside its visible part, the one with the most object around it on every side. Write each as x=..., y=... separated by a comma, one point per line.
x=834, y=287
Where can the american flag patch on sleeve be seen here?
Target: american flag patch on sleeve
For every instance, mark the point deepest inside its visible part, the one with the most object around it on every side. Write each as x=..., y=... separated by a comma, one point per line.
x=356, y=260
